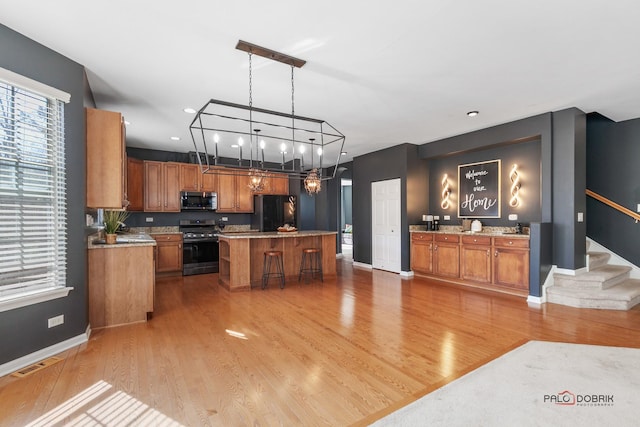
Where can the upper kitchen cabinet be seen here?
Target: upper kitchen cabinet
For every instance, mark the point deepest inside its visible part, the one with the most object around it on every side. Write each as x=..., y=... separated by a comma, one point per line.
x=106, y=169
x=135, y=184
x=192, y=179
x=276, y=183
x=234, y=194
x=161, y=186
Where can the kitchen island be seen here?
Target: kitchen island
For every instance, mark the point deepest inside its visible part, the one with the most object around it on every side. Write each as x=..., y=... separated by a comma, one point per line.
x=241, y=255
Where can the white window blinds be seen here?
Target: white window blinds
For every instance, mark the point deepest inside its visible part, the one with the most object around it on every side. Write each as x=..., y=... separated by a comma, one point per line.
x=32, y=191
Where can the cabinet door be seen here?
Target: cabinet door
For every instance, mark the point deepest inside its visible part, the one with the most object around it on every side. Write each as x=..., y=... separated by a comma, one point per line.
x=153, y=186
x=446, y=259
x=476, y=263
x=169, y=253
x=172, y=187
x=421, y=257
x=135, y=184
x=511, y=268
x=189, y=177
x=209, y=182
x=244, y=195
x=226, y=193
x=279, y=184
x=105, y=156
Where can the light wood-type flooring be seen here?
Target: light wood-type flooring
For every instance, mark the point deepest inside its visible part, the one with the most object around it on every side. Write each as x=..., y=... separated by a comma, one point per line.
x=344, y=352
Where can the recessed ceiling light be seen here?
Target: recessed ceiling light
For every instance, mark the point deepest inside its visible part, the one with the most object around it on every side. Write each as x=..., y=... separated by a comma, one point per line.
x=472, y=113
x=175, y=138
x=189, y=110
x=343, y=153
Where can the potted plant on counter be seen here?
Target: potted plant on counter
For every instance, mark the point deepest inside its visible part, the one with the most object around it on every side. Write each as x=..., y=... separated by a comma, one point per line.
x=112, y=221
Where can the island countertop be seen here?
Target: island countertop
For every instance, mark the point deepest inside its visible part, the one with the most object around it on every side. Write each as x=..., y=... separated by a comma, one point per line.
x=241, y=255
x=273, y=234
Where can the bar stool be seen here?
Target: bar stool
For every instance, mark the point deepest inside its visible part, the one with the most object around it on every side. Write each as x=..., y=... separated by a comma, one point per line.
x=276, y=257
x=311, y=263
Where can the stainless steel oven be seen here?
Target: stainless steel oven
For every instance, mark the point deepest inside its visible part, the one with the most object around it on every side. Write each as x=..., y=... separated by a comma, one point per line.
x=200, y=247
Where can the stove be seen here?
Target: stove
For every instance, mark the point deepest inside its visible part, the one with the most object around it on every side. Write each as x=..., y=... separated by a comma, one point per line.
x=200, y=247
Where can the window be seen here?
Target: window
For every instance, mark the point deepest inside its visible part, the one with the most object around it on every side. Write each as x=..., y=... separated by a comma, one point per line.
x=32, y=195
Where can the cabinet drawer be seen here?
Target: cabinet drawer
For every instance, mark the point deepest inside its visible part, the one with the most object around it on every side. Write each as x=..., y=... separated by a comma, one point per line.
x=167, y=237
x=451, y=238
x=421, y=237
x=476, y=240
x=510, y=242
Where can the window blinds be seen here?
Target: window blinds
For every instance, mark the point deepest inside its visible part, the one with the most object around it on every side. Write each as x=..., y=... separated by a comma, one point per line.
x=32, y=191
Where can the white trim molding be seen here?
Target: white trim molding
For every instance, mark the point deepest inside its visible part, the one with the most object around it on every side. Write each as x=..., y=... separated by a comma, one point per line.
x=406, y=274
x=22, y=300
x=571, y=272
x=39, y=355
x=362, y=265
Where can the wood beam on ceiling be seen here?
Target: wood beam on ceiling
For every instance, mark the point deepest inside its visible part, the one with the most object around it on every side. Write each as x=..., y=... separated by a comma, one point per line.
x=269, y=54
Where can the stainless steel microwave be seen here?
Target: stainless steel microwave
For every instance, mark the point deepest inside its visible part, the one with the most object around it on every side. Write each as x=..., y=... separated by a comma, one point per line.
x=198, y=201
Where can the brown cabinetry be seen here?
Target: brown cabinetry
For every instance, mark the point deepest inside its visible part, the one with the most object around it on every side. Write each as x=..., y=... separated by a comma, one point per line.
x=422, y=253
x=161, y=186
x=446, y=255
x=276, y=183
x=234, y=194
x=475, y=258
x=511, y=263
x=168, y=253
x=192, y=179
x=135, y=184
x=121, y=285
x=106, y=170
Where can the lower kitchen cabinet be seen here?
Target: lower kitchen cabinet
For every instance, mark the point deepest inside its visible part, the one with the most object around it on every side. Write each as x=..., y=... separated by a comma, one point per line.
x=446, y=255
x=422, y=253
x=121, y=284
x=168, y=253
x=511, y=263
x=475, y=258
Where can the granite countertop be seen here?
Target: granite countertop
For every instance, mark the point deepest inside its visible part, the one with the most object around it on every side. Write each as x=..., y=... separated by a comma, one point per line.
x=272, y=234
x=123, y=241
x=486, y=231
x=156, y=230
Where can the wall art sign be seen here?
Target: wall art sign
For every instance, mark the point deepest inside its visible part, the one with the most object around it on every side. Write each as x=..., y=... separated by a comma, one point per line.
x=479, y=190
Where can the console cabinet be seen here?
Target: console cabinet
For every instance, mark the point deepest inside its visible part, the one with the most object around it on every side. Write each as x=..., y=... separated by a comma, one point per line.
x=168, y=253
x=492, y=262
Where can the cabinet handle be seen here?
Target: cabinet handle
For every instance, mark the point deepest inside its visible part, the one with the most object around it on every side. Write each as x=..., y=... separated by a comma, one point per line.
x=510, y=242
x=488, y=252
x=436, y=249
x=496, y=254
x=446, y=238
x=475, y=240
x=179, y=245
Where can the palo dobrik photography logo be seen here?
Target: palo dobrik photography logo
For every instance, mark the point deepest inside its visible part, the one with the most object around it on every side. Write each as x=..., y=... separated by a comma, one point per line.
x=563, y=398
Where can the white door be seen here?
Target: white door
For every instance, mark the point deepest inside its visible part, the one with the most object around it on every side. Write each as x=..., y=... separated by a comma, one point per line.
x=385, y=225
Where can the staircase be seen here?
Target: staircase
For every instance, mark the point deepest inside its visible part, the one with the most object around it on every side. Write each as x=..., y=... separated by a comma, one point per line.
x=604, y=286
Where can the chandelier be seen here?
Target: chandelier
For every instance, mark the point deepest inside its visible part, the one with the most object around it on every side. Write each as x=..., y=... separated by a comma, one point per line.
x=304, y=148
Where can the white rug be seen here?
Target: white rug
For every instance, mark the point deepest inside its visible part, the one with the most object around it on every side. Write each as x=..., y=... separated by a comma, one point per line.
x=537, y=384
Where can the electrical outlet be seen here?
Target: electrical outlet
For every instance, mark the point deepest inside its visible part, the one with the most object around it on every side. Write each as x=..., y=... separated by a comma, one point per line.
x=436, y=218
x=580, y=217
x=513, y=217
x=638, y=210
x=149, y=219
x=55, y=321
x=447, y=217
x=224, y=218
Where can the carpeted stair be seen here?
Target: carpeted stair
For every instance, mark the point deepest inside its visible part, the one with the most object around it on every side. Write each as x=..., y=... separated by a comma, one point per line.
x=604, y=286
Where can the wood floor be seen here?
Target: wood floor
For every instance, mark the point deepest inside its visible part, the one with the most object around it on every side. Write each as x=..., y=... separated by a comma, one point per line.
x=345, y=352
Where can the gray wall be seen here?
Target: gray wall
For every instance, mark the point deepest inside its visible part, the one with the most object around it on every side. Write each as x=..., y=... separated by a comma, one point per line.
x=401, y=162
x=613, y=152
x=24, y=330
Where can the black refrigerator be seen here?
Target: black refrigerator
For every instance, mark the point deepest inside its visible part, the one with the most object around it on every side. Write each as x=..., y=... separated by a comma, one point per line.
x=271, y=212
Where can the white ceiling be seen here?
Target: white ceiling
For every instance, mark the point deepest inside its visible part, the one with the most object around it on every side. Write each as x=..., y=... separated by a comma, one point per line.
x=382, y=73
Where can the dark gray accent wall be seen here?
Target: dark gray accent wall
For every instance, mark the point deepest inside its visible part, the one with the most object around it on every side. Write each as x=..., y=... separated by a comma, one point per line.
x=613, y=153
x=401, y=162
x=526, y=154
x=569, y=183
x=24, y=330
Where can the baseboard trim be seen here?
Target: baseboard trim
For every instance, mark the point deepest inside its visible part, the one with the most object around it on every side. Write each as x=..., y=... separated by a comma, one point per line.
x=39, y=355
x=568, y=272
x=534, y=300
x=407, y=274
x=362, y=265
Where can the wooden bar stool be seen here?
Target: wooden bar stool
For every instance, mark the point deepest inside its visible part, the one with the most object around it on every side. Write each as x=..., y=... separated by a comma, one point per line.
x=276, y=257
x=311, y=264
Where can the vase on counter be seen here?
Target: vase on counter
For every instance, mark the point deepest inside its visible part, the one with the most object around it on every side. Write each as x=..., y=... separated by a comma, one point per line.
x=110, y=239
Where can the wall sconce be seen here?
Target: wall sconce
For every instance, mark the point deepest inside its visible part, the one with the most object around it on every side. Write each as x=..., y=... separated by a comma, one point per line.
x=514, y=201
x=446, y=191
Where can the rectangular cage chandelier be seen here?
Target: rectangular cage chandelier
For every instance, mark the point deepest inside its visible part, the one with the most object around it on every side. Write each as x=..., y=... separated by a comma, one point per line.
x=237, y=139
